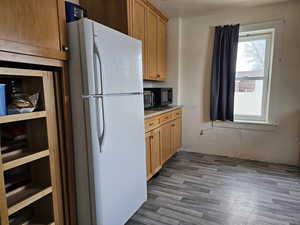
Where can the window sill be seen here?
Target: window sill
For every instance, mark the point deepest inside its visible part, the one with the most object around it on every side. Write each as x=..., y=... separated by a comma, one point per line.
x=247, y=125
x=256, y=122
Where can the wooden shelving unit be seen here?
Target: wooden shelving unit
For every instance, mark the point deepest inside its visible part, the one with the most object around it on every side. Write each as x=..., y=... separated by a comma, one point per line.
x=34, y=198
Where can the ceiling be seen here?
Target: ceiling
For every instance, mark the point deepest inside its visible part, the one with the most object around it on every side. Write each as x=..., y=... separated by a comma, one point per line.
x=175, y=8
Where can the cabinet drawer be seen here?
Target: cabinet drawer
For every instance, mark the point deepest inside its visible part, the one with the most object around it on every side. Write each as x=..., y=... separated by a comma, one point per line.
x=166, y=117
x=151, y=124
x=177, y=113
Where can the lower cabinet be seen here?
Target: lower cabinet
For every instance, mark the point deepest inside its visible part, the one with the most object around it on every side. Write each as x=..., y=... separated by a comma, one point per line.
x=170, y=139
x=153, y=152
x=148, y=154
x=166, y=141
x=163, y=139
x=176, y=135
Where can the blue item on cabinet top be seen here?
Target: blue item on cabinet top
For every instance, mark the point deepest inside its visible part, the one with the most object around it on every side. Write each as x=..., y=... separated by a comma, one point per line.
x=74, y=12
x=3, y=107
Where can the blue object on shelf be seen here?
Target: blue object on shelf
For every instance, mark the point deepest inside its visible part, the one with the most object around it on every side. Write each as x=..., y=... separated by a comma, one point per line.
x=3, y=107
x=74, y=12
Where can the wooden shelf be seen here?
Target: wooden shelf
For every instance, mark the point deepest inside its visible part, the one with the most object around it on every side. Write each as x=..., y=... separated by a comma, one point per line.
x=22, y=117
x=27, y=218
x=23, y=158
x=25, y=197
x=34, y=222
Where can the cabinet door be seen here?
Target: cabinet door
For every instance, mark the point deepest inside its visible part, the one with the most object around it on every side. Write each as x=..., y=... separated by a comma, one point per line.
x=33, y=27
x=176, y=135
x=148, y=137
x=179, y=133
x=155, y=151
x=139, y=29
x=173, y=134
x=166, y=142
x=161, y=49
x=151, y=38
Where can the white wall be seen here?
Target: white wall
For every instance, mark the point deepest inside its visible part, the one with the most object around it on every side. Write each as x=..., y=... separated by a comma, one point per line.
x=279, y=144
x=173, y=59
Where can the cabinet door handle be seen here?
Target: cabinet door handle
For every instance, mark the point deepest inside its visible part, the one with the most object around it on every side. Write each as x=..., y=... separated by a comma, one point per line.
x=65, y=48
x=151, y=124
x=158, y=76
x=173, y=125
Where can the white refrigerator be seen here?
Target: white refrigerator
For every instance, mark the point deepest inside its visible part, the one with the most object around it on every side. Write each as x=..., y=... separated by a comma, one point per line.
x=108, y=122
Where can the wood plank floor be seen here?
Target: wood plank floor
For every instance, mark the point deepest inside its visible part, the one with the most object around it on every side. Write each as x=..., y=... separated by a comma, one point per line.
x=211, y=190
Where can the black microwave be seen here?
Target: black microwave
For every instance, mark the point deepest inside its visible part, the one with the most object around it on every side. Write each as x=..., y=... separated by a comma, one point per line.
x=157, y=97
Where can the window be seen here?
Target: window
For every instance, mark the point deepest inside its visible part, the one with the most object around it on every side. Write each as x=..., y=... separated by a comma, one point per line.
x=253, y=76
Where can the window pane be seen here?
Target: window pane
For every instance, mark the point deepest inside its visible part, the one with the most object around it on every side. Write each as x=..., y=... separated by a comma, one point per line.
x=252, y=76
x=248, y=97
x=251, y=58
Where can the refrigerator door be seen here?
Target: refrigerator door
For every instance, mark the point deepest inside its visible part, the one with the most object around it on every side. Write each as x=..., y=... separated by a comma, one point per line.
x=118, y=157
x=118, y=61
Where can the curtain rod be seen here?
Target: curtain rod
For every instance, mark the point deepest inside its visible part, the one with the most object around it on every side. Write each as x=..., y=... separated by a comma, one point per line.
x=279, y=20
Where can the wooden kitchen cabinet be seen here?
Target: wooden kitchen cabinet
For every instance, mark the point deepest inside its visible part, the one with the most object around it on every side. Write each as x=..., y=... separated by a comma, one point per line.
x=170, y=139
x=166, y=141
x=161, y=49
x=152, y=45
x=163, y=139
x=175, y=135
x=139, y=18
x=33, y=27
x=155, y=151
x=148, y=154
x=149, y=25
x=156, y=37
x=153, y=155
x=178, y=142
x=170, y=134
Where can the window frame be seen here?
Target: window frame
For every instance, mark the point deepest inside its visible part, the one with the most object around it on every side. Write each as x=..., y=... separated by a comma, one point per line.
x=269, y=35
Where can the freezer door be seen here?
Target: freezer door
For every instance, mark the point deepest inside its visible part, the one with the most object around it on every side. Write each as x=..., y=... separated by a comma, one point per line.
x=119, y=61
x=119, y=164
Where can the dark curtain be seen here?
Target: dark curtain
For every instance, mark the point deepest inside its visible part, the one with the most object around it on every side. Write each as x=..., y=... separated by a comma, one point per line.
x=223, y=72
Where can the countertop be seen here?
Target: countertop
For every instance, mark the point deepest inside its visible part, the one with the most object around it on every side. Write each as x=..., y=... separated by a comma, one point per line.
x=155, y=112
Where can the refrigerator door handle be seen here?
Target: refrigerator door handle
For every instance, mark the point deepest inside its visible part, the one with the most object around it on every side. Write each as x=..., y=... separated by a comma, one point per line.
x=97, y=56
x=100, y=131
x=99, y=118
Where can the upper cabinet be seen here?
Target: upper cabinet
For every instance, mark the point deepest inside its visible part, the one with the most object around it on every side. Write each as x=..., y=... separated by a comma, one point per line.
x=149, y=25
x=33, y=27
x=162, y=49
x=138, y=28
x=151, y=45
